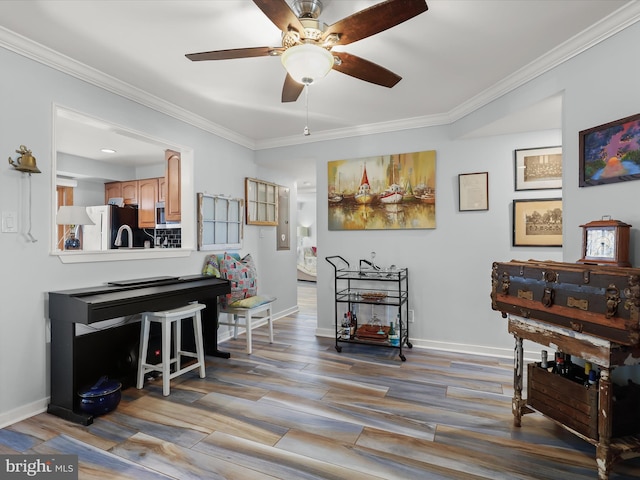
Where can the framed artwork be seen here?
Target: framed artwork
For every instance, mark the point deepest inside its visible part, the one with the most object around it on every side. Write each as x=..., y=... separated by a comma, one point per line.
x=537, y=223
x=262, y=202
x=386, y=192
x=473, y=191
x=219, y=222
x=538, y=168
x=610, y=153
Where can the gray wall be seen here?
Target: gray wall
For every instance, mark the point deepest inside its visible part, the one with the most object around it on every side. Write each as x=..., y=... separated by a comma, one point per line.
x=449, y=266
x=27, y=94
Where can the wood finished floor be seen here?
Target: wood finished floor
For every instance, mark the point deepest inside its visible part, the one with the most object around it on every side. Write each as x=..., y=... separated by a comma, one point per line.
x=297, y=409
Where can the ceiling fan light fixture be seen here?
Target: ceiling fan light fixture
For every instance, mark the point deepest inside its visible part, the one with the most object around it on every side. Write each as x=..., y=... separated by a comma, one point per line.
x=307, y=63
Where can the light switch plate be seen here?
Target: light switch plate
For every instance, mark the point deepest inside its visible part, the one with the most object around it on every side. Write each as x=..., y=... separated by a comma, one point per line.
x=9, y=222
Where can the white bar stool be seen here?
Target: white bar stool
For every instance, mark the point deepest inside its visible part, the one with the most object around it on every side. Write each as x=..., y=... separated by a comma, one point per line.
x=171, y=321
x=248, y=315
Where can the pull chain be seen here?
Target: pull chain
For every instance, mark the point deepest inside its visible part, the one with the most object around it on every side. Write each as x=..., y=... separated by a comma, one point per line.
x=306, y=105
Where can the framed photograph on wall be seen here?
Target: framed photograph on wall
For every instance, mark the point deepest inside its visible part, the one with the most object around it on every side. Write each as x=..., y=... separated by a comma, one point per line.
x=473, y=191
x=610, y=153
x=538, y=168
x=537, y=223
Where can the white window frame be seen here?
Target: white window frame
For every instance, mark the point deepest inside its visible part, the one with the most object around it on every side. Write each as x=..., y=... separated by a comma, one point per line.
x=219, y=217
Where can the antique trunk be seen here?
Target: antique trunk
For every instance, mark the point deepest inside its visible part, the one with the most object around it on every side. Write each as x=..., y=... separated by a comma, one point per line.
x=597, y=300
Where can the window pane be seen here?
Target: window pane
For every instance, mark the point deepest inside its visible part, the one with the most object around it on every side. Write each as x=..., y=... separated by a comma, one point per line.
x=221, y=209
x=234, y=210
x=252, y=191
x=207, y=233
x=221, y=232
x=234, y=233
x=207, y=208
x=271, y=194
x=262, y=192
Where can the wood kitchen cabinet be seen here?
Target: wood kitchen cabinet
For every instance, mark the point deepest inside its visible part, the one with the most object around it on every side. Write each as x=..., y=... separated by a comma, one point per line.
x=147, y=197
x=173, y=194
x=130, y=192
x=145, y=193
x=162, y=189
x=112, y=190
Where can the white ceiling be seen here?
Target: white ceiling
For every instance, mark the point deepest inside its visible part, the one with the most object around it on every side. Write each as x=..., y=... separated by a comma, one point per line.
x=454, y=58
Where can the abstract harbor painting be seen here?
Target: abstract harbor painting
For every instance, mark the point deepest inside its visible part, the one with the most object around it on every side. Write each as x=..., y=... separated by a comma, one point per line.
x=385, y=192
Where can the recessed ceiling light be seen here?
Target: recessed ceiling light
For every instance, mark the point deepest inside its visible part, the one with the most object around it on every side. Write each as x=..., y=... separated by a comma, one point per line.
x=107, y=150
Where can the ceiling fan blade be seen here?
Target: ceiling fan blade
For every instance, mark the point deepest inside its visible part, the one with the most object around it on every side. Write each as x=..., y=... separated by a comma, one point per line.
x=234, y=53
x=375, y=19
x=365, y=70
x=291, y=89
x=279, y=12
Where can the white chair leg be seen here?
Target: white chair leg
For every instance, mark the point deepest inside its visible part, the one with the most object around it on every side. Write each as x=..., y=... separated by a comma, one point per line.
x=197, y=328
x=236, y=319
x=166, y=358
x=142, y=352
x=248, y=327
x=270, y=324
x=177, y=346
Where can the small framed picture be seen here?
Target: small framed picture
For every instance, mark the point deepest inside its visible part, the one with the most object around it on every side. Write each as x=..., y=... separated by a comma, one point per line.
x=537, y=223
x=538, y=168
x=610, y=153
x=473, y=191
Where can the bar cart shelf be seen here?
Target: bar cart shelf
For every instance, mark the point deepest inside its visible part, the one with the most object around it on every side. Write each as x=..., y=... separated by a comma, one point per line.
x=366, y=290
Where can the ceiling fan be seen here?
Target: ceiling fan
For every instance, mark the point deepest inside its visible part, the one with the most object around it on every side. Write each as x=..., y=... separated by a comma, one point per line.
x=307, y=44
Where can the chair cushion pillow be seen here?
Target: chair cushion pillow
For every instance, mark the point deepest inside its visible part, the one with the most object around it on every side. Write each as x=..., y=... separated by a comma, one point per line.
x=252, y=302
x=242, y=277
x=211, y=266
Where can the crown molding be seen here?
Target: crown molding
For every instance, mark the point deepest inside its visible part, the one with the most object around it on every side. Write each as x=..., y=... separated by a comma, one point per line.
x=614, y=23
x=357, y=131
x=622, y=18
x=47, y=56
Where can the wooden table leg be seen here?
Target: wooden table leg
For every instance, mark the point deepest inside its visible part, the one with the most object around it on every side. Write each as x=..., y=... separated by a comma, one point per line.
x=516, y=405
x=604, y=457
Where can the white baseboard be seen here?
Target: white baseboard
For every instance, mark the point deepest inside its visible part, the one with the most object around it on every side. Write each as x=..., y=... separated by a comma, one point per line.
x=454, y=347
x=23, y=412
x=40, y=406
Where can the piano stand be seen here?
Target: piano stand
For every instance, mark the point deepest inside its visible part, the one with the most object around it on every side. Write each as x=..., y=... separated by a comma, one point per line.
x=79, y=360
x=62, y=412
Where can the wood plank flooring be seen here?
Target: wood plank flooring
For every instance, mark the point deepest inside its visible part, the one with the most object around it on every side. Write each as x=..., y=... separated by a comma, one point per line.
x=297, y=409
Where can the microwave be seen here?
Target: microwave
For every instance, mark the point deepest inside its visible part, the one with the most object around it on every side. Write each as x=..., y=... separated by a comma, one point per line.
x=161, y=220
